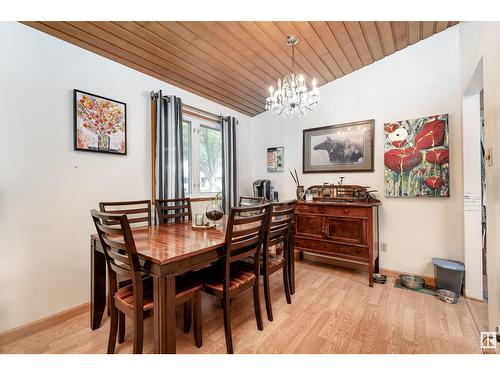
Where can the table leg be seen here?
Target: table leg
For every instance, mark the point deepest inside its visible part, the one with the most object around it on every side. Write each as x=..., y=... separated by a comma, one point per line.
x=291, y=263
x=97, y=286
x=164, y=314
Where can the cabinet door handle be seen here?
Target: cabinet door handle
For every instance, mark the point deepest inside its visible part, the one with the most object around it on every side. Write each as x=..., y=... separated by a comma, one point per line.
x=357, y=251
x=346, y=211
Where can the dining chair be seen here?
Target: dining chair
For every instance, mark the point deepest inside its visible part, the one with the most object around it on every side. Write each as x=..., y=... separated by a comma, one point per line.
x=278, y=232
x=250, y=201
x=136, y=299
x=232, y=276
x=137, y=211
x=173, y=210
x=138, y=214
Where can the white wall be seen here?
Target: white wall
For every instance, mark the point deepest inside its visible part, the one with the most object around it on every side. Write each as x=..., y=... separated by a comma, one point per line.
x=418, y=81
x=46, y=188
x=473, y=256
x=480, y=40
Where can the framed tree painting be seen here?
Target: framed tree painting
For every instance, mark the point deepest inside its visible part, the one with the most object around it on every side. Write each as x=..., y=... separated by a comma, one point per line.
x=100, y=124
x=416, y=157
x=339, y=148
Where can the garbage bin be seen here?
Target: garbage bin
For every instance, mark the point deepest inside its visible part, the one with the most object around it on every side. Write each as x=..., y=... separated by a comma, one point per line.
x=449, y=274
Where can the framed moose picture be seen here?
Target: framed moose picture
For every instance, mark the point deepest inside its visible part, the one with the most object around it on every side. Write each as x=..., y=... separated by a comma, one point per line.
x=339, y=148
x=100, y=124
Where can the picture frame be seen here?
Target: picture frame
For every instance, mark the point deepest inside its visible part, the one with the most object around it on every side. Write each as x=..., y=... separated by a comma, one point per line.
x=99, y=124
x=345, y=147
x=275, y=159
x=417, y=157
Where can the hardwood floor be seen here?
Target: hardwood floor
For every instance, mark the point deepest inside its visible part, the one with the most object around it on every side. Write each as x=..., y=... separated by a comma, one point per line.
x=333, y=311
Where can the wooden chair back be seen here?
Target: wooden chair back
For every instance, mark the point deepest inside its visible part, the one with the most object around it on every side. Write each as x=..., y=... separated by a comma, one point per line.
x=136, y=211
x=246, y=228
x=173, y=210
x=250, y=201
x=280, y=223
x=119, y=250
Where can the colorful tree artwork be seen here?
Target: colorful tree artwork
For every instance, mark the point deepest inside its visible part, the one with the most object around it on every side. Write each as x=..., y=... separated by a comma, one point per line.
x=416, y=157
x=99, y=123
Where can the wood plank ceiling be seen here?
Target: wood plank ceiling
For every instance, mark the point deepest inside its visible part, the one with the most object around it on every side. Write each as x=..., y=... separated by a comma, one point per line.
x=234, y=63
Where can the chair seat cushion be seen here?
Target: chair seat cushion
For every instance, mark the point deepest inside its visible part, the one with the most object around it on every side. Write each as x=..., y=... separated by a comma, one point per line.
x=183, y=286
x=212, y=277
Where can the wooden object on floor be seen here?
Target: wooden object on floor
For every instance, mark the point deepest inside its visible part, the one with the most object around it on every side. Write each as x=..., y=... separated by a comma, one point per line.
x=278, y=233
x=136, y=300
x=244, y=237
x=166, y=250
x=250, y=201
x=137, y=211
x=347, y=231
x=378, y=320
x=173, y=210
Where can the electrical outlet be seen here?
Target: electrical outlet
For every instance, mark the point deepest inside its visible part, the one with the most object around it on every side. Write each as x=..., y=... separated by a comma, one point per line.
x=383, y=246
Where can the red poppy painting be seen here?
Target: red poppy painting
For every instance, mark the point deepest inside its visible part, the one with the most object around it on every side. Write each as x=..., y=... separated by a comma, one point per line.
x=416, y=157
x=99, y=124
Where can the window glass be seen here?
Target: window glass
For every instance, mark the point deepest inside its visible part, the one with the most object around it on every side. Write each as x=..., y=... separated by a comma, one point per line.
x=210, y=160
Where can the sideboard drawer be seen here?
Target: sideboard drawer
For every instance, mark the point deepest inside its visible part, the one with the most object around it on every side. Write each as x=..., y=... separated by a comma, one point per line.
x=348, y=211
x=309, y=209
x=333, y=249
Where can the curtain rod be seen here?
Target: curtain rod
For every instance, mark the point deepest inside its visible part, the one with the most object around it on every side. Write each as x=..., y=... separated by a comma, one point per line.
x=191, y=108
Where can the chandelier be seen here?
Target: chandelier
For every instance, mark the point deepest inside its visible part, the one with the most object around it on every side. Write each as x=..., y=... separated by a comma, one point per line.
x=292, y=97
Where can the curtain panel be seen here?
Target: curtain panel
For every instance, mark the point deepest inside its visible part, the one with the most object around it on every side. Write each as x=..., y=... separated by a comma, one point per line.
x=229, y=175
x=168, y=173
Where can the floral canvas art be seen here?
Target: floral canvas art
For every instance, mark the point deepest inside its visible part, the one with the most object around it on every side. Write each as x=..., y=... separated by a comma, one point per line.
x=416, y=157
x=99, y=124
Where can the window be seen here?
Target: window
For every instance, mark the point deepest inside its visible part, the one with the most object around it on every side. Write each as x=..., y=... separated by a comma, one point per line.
x=202, y=153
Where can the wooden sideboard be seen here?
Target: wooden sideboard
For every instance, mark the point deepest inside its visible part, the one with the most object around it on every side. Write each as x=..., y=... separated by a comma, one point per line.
x=346, y=231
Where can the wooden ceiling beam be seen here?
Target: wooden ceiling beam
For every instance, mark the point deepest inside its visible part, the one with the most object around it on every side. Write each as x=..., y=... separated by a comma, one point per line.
x=124, y=61
x=307, y=33
x=162, y=57
x=303, y=47
x=370, y=34
x=342, y=36
x=400, y=34
x=164, y=67
x=279, y=43
x=385, y=34
x=233, y=63
x=358, y=40
x=178, y=28
x=333, y=46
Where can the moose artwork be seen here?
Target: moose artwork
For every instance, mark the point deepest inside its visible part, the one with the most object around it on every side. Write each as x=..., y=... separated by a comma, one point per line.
x=416, y=157
x=339, y=148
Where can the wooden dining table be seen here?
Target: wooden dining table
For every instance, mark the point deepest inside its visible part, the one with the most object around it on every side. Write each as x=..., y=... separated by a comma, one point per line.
x=166, y=250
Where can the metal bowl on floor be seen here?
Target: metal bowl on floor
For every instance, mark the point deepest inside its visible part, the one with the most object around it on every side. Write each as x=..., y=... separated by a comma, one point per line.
x=378, y=278
x=412, y=281
x=447, y=296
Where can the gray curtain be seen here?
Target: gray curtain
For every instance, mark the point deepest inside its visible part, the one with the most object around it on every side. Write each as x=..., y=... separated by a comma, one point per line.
x=169, y=166
x=229, y=173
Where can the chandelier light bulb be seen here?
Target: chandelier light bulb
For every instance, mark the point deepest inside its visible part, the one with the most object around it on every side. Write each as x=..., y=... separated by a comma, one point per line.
x=314, y=83
x=271, y=90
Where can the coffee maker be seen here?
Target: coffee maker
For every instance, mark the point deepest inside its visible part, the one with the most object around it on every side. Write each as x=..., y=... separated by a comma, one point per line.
x=262, y=188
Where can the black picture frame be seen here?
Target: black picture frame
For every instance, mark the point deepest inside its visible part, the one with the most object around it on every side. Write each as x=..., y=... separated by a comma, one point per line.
x=336, y=165
x=76, y=147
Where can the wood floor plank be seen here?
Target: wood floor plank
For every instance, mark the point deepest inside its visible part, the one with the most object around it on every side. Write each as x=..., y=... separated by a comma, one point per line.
x=332, y=311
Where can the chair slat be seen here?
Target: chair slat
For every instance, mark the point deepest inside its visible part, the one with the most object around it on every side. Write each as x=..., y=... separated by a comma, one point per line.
x=123, y=208
x=180, y=210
